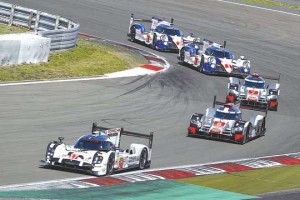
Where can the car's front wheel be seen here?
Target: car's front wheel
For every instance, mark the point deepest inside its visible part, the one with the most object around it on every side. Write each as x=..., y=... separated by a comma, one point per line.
x=132, y=34
x=110, y=164
x=143, y=159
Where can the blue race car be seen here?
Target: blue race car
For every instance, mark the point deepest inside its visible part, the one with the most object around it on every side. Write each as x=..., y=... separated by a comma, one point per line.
x=212, y=58
x=161, y=35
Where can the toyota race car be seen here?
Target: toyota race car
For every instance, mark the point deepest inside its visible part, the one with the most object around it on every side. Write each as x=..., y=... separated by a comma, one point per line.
x=226, y=123
x=254, y=91
x=99, y=152
x=212, y=58
x=161, y=35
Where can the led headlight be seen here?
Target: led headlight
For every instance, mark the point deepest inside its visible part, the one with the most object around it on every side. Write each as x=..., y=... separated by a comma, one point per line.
x=212, y=60
x=246, y=64
x=97, y=160
x=164, y=38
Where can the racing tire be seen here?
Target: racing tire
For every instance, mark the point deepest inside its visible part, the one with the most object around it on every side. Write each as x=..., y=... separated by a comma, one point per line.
x=182, y=55
x=132, y=34
x=154, y=42
x=143, y=159
x=248, y=129
x=262, y=129
x=200, y=68
x=110, y=165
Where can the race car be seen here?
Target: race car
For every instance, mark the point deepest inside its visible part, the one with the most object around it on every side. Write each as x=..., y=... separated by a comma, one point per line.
x=254, y=91
x=160, y=36
x=226, y=123
x=99, y=152
x=212, y=58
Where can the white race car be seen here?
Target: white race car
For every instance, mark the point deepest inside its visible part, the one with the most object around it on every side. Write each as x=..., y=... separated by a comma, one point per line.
x=161, y=34
x=212, y=58
x=226, y=123
x=99, y=152
x=254, y=91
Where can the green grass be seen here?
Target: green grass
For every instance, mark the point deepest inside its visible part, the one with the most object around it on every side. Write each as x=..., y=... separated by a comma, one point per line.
x=273, y=3
x=252, y=182
x=5, y=29
x=89, y=58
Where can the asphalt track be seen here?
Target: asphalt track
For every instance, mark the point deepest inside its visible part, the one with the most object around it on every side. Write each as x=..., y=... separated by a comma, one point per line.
x=33, y=115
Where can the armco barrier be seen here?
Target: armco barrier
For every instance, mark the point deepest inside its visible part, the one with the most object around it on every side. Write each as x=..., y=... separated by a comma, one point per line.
x=62, y=32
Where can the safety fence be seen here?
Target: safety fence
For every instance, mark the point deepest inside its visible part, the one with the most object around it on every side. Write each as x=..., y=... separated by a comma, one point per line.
x=62, y=32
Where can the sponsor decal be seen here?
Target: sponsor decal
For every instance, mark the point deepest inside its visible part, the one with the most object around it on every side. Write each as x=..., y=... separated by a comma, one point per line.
x=73, y=156
x=121, y=162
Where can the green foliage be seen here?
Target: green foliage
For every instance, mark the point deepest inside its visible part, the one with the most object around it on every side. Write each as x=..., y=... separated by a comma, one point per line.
x=252, y=182
x=273, y=3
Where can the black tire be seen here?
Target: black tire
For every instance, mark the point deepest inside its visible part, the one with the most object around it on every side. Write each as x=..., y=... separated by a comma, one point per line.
x=132, y=34
x=263, y=127
x=110, y=165
x=200, y=68
x=143, y=159
x=154, y=42
x=248, y=129
x=182, y=51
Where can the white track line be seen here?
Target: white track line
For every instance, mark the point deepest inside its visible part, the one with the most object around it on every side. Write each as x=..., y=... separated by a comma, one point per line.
x=262, y=8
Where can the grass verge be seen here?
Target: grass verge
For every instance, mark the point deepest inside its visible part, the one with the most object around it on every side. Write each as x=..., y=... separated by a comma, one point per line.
x=272, y=3
x=89, y=58
x=254, y=182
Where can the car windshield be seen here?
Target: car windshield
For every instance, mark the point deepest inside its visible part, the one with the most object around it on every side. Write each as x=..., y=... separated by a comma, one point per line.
x=95, y=145
x=221, y=54
x=172, y=32
x=254, y=84
x=229, y=116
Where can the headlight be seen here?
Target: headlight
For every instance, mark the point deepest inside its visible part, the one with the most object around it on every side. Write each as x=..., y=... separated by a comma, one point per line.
x=164, y=38
x=97, y=160
x=246, y=64
x=212, y=60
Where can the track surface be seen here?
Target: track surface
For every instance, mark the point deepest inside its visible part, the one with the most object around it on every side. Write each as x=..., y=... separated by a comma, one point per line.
x=33, y=115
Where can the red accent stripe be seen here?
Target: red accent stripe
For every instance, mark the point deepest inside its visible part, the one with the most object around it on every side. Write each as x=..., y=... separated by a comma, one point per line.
x=173, y=174
x=106, y=181
x=152, y=67
x=231, y=167
x=286, y=160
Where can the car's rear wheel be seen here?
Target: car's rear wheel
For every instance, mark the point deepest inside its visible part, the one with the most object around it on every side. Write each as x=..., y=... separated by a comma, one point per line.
x=143, y=159
x=262, y=127
x=110, y=164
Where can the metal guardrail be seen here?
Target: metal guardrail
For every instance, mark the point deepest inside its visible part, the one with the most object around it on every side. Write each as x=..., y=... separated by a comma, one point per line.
x=63, y=32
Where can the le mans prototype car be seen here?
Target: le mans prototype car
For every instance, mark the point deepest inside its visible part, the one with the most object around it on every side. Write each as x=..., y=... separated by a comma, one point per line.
x=99, y=152
x=226, y=123
x=161, y=35
x=212, y=58
x=254, y=91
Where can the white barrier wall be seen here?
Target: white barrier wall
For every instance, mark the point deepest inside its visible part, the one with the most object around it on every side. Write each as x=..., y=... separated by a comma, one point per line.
x=23, y=48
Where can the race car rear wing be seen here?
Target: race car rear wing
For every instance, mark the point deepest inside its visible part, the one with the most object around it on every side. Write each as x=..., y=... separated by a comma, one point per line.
x=237, y=103
x=155, y=21
x=263, y=76
x=96, y=128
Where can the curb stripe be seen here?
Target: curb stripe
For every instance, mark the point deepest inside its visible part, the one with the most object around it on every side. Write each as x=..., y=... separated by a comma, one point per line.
x=285, y=160
x=173, y=174
x=152, y=67
x=231, y=167
x=105, y=181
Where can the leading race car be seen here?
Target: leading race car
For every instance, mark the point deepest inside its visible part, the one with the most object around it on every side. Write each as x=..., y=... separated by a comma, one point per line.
x=226, y=123
x=212, y=58
x=161, y=35
x=254, y=91
x=99, y=152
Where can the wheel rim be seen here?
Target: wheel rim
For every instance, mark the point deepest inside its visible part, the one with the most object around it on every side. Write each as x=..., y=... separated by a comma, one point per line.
x=110, y=165
x=143, y=159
